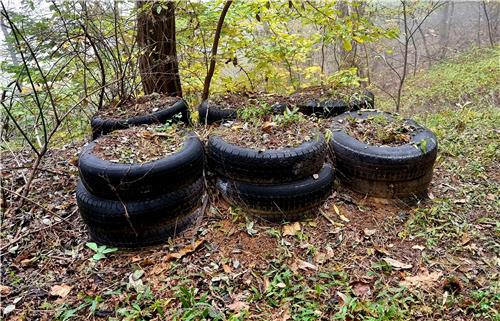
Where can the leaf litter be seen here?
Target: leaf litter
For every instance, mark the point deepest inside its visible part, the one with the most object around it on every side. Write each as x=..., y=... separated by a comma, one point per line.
x=140, y=106
x=140, y=144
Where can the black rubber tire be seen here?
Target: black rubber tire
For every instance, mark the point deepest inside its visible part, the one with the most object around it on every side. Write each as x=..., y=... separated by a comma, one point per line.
x=145, y=180
x=383, y=171
x=267, y=167
x=154, y=235
x=333, y=107
x=284, y=202
x=210, y=113
x=153, y=220
x=101, y=126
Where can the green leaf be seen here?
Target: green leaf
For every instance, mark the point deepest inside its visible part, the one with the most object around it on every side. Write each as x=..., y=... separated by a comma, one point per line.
x=92, y=246
x=110, y=250
x=98, y=256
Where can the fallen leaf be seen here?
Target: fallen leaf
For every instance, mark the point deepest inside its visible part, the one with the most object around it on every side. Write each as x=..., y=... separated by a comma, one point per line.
x=422, y=280
x=4, y=290
x=266, y=284
x=336, y=209
x=329, y=252
x=320, y=258
x=291, y=229
x=268, y=126
x=60, y=290
x=305, y=265
x=343, y=218
x=369, y=232
x=190, y=248
x=361, y=289
x=237, y=306
x=342, y=298
x=8, y=309
x=134, y=280
x=281, y=285
x=226, y=268
x=397, y=264
x=490, y=197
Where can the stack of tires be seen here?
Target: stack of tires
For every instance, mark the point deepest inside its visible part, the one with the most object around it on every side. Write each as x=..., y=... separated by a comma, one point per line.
x=388, y=172
x=136, y=205
x=275, y=185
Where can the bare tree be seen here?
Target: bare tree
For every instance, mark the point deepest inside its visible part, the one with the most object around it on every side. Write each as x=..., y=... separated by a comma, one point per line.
x=410, y=25
x=215, y=45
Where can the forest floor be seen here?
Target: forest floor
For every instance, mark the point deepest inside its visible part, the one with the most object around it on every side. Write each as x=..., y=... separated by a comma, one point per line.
x=361, y=260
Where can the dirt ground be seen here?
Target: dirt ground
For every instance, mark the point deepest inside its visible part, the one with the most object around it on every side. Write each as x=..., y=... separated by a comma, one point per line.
x=358, y=260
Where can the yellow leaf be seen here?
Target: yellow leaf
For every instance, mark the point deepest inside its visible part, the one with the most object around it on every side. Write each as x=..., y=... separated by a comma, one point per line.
x=291, y=229
x=184, y=251
x=347, y=45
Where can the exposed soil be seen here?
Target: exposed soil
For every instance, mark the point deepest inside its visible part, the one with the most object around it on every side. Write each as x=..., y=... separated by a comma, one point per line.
x=140, y=106
x=265, y=135
x=140, y=144
x=379, y=131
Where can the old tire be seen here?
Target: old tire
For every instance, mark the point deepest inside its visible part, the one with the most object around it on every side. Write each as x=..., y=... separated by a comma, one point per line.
x=267, y=167
x=281, y=202
x=323, y=108
x=178, y=112
x=383, y=171
x=138, y=223
x=145, y=180
x=210, y=113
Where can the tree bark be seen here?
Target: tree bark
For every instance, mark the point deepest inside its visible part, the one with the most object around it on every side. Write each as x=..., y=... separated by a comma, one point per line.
x=158, y=64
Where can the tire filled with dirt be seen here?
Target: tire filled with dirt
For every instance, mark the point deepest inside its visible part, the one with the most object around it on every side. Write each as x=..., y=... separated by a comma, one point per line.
x=326, y=102
x=141, y=185
x=274, y=170
x=382, y=155
x=128, y=181
x=266, y=167
x=151, y=109
x=226, y=107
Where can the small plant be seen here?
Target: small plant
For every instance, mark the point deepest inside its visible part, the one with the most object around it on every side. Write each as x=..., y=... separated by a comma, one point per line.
x=256, y=112
x=100, y=251
x=196, y=309
x=289, y=117
x=328, y=135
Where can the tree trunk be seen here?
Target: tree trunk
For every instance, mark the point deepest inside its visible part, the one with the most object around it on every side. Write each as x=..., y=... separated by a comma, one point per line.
x=158, y=62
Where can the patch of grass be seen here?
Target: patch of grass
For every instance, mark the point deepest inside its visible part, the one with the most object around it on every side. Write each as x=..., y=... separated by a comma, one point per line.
x=455, y=81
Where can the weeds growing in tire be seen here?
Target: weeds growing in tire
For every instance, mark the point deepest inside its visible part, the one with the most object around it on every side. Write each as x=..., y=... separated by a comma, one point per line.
x=145, y=110
x=382, y=155
x=233, y=106
x=141, y=185
x=269, y=150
